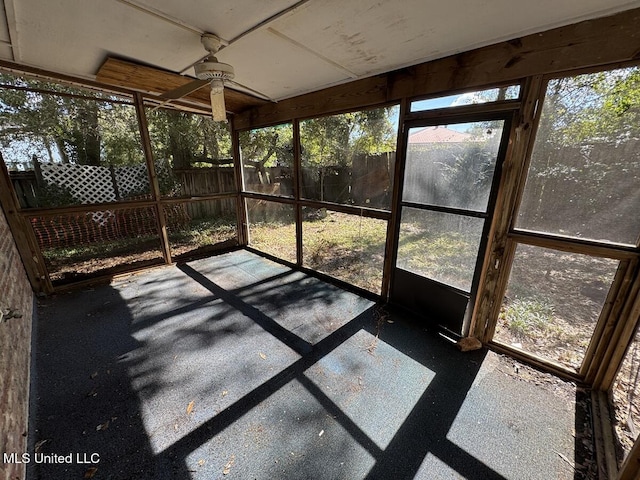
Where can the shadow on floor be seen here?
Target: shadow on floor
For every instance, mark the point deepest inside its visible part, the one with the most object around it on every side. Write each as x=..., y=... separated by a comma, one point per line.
x=237, y=367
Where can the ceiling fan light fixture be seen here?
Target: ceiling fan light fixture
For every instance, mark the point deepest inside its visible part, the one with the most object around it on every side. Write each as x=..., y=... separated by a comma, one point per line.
x=217, y=73
x=218, y=110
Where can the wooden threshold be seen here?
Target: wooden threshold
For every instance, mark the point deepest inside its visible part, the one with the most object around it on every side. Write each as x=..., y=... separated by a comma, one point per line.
x=603, y=436
x=536, y=361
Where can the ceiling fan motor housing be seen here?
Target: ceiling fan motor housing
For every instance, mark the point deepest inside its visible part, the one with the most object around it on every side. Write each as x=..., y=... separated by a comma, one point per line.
x=211, y=69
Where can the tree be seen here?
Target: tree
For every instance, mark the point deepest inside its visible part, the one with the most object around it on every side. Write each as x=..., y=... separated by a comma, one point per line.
x=66, y=124
x=593, y=108
x=336, y=139
x=329, y=146
x=267, y=147
x=189, y=140
x=586, y=161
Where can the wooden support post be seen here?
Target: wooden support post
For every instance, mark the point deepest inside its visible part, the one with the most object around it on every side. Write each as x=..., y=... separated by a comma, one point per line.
x=615, y=332
x=23, y=235
x=500, y=250
x=153, y=177
x=114, y=182
x=38, y=171
x=297, y=190
x=241, y=210
x=393, y=225
x=630, y=469
x=603, y=436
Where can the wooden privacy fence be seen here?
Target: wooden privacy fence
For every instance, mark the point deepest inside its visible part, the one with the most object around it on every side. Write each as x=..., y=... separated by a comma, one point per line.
x=372, y=179
x=195, y=182
x=560, y=178
x=367, y=181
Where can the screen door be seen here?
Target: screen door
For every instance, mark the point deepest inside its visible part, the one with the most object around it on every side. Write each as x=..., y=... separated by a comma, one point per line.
x=449, y=181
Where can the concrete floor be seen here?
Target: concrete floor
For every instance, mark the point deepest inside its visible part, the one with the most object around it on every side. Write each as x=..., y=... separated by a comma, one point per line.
x=237, y=367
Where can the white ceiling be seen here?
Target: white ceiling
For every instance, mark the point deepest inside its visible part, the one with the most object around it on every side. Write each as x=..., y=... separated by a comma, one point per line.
x=281, y=48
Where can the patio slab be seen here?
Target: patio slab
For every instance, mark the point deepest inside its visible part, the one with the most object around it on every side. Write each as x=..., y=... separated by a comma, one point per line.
x=238, y=367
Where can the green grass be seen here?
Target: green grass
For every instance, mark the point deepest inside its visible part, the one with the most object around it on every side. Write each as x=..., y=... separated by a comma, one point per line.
x=275, y=238
x=528, y=318
x=347, y=247
x=99, y=249
x=449, y=258
x=203, y=232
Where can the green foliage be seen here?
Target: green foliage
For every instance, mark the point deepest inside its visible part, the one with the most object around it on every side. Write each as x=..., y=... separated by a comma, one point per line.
x=593, y=108
x=53, y=195
x=585, y=164
x=188, y=140
x=334, y=140
x=267, y=147
x=470, y=173
x=204, y=232
x=528, y=317
x=120, y=135
x=80, y=126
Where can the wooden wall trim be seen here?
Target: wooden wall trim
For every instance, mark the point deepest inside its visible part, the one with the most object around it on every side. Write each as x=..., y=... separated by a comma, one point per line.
x=630, y=469
x=153, y=177
x=359, y=94
x=22, y=232
x=500, y=250
x=590, y=43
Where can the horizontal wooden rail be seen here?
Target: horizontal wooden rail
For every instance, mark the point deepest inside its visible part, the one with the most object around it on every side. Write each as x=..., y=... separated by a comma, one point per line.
x=97, y=207
x=335, y=207
x=574, y=245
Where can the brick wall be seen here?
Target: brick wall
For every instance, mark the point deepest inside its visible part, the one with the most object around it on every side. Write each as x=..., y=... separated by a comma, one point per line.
x=15, y=352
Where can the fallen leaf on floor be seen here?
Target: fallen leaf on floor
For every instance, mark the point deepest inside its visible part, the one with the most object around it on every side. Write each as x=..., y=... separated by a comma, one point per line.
x=227, y=467
x=225, y=393
x=90, y=472
x=263, y=356
x=40, y=444
x=201, y=462
x=93, y=375
x=103, y=426
x=564, y=457
x=190, y=407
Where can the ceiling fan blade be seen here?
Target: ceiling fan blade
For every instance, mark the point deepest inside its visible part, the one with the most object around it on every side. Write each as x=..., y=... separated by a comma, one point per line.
x=153, y=81
x=184, y=90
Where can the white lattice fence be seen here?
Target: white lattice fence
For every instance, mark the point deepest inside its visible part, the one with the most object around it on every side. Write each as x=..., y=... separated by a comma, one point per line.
x=95, y=184
x=132, y=180
x=87, y=183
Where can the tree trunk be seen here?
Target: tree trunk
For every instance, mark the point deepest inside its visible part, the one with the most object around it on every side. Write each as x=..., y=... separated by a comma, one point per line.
x=64, y=157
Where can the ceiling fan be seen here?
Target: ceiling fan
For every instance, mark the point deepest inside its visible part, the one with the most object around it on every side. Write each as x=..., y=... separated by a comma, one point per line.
x=208, y=71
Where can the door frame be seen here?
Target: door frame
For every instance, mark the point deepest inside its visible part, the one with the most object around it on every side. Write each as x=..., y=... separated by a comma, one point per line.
x=448, y=116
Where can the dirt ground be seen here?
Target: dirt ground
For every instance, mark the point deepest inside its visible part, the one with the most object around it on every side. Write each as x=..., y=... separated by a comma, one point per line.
x=560, y=296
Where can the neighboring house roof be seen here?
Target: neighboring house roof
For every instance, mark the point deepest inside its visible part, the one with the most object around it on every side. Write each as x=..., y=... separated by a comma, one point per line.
x=438, y=134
